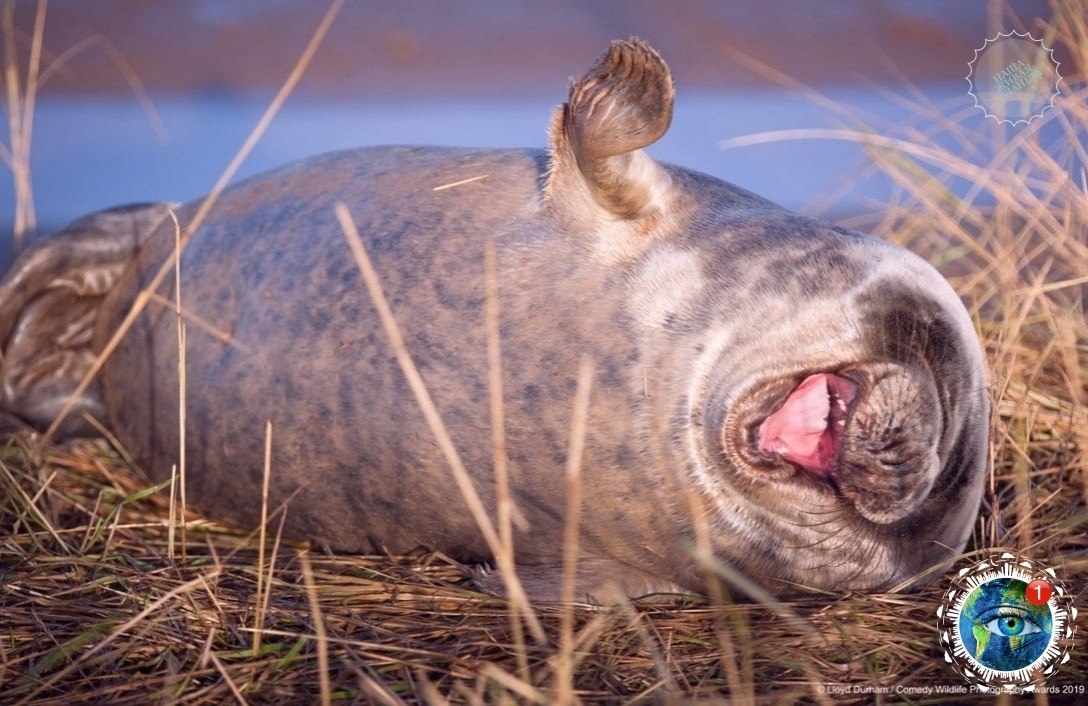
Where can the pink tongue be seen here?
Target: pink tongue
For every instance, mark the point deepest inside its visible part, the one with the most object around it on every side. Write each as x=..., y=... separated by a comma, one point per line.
x=799, y=431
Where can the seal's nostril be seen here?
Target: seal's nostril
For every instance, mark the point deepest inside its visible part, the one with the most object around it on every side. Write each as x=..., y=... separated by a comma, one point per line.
x=890, y=460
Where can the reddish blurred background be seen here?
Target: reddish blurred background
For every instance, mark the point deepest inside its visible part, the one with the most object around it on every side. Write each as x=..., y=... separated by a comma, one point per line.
x=472, y=72
x=399, y=48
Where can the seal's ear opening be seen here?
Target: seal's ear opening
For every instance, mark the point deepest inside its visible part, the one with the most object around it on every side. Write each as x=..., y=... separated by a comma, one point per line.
x=623, y=104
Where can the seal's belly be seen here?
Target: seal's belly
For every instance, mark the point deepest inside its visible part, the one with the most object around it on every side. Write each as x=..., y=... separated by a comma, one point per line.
x=280, y=328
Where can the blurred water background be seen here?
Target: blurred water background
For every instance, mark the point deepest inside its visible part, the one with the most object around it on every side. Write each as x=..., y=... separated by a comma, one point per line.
x=477, y=73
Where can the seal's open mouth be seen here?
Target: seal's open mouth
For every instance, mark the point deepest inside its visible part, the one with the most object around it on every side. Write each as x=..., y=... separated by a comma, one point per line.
x=807, y=428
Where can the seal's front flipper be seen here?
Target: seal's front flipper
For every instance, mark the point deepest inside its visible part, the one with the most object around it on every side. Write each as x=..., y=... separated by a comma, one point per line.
x=48, y=306
x=623, y=104
x=596, y=581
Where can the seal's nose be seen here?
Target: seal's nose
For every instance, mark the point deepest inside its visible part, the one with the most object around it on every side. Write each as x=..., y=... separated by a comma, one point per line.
x=889, y=458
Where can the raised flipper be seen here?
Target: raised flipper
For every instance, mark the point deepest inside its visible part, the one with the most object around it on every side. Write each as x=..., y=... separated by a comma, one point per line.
x=48, y=305
x=599, y=175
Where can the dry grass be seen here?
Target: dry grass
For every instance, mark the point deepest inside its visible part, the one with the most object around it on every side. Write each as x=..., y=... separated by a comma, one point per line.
x=94, y=611
x=100, y=601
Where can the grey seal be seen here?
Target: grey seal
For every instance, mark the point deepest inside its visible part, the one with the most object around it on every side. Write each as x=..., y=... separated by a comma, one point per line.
x=812, y=396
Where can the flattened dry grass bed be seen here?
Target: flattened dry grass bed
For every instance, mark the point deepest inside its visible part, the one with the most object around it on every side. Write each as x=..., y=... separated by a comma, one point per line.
x=93, y=611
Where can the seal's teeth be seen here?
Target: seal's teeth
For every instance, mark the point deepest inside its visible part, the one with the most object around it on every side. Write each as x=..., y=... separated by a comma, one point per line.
x=841, y=422
x=841, y=403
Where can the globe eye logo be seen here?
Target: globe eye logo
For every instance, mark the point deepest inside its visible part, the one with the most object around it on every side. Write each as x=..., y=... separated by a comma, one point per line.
x=1006, y=623
x=1001, y=629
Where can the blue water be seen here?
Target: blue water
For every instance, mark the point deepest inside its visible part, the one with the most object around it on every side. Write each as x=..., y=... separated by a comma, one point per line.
x=92, y=154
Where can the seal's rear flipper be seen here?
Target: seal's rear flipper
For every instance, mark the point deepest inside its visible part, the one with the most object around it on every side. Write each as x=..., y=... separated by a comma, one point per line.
x=623, y=104
x=48, y=305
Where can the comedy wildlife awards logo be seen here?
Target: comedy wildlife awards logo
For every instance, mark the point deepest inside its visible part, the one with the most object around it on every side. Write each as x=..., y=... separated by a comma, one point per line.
x=1014, y=78
x=1006, y=623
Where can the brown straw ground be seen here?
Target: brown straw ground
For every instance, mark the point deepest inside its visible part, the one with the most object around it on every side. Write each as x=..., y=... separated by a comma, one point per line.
x=101, y=601
x=93, y=611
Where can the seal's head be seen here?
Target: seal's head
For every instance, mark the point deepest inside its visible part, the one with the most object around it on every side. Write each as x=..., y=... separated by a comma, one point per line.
x=849, y=431
x=825, y=389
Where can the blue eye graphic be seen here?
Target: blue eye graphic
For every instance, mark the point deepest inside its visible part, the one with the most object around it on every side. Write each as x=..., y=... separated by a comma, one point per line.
x=1006, y=623
x=1012, y=624
x=1001, y=629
